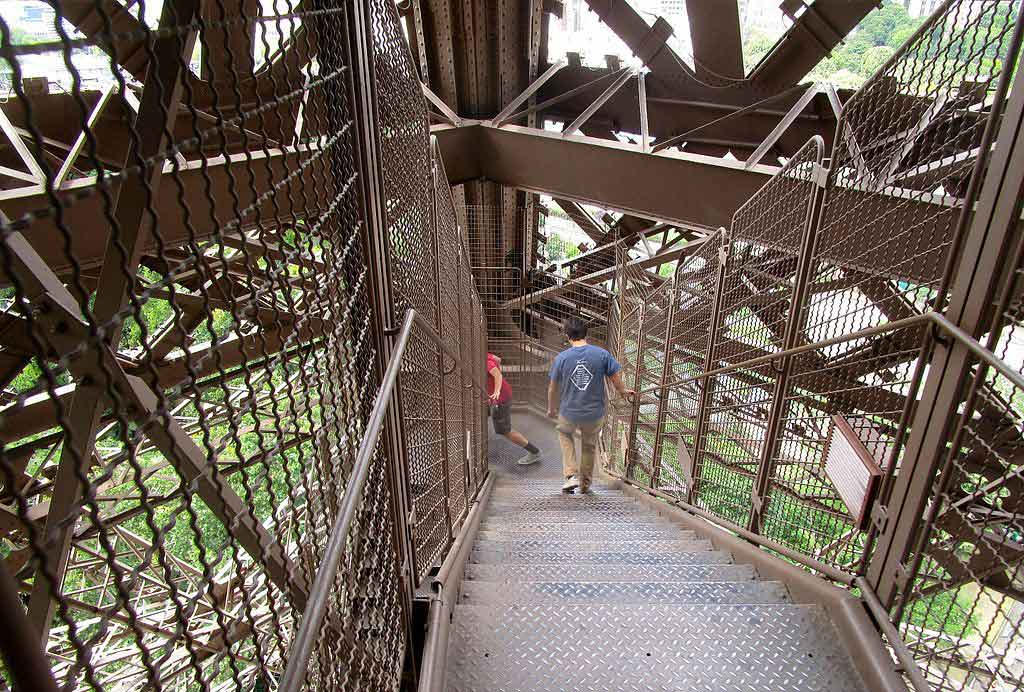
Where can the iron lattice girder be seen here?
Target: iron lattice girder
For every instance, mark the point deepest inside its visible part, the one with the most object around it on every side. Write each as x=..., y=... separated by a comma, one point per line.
x=677, y=188
x=674, y=108
x=89, y=245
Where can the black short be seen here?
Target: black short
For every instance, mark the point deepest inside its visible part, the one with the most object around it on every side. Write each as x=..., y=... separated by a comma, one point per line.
x=501, y=419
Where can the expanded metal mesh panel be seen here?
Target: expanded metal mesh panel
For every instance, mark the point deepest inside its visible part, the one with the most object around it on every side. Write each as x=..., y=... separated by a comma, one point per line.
x=188, y=359
x=962, y=615
x=451, y=298
x=906, y=147
x=628, y=352
x=405, y=163
x=525, y=309
x=962, y=611
x=756, y=298
x=695, y=285
x=766, y=236
x=869, y=388
x=732, y=442
x=645, y=373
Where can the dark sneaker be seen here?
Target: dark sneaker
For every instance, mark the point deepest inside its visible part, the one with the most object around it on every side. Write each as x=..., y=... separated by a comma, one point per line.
x=585, y=489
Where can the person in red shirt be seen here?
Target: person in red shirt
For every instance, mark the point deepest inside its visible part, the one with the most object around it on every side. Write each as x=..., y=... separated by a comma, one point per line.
x=500, y=393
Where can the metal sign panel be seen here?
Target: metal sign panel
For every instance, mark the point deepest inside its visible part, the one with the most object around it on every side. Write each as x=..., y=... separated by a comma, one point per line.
x=852, y=468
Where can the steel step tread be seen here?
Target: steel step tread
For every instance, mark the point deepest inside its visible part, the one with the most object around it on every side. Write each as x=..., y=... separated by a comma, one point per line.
x=588, y=532
x=588, y=515
x=715, y=648
x=588, y=546
x=606, y=557
x=569, y=592
x=514, y=572
x=568, y=504
x=551, y=488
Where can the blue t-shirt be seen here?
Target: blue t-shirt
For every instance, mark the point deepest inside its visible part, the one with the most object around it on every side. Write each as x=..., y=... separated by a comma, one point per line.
x=580, y=372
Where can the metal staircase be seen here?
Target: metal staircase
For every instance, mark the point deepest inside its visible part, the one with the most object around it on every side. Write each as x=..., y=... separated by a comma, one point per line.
x=602, y=592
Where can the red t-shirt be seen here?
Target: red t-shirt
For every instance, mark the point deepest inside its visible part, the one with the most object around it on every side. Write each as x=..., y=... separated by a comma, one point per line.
x=506, y=389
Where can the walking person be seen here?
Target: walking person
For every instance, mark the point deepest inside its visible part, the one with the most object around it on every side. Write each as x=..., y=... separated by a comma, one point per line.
x=577, y=399
x=500, y=392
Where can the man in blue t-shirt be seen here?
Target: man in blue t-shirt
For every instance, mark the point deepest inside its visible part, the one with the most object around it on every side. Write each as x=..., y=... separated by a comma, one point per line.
x=577, y=381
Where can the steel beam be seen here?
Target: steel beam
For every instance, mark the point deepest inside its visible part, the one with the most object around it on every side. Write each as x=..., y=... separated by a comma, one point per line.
x=158, y=108
x=675, y=107
x=649, y=43
x=716, y=40
x=89, y=243
x=675, y=187
x=821, y=27
x=576, y=124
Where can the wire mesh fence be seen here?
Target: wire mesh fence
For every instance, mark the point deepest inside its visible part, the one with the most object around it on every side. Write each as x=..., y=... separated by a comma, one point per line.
x=189, y=356
x=524, y=309
x=800, y=341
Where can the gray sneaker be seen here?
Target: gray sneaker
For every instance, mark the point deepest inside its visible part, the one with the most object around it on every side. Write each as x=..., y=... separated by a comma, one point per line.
x=570, y=485
x=531, y=458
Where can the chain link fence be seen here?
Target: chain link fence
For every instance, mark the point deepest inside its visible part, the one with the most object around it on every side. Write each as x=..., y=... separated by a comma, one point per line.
x=802, y=341
x=189, y=356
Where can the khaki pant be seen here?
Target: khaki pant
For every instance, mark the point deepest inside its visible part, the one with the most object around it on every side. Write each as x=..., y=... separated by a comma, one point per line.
x=589, y=432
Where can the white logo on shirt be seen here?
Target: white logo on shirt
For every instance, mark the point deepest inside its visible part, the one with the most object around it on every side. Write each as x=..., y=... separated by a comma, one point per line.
x=581, y=377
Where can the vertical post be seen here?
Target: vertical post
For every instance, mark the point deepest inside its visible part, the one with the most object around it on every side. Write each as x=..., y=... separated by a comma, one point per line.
x=158, y=109
x=794, y=324
x=705, y=384
x=376, y=245
x=634, y=416
x=25, y=661
x=645, y=135
x=981, y=270
x=439, y=326
x=666, y=373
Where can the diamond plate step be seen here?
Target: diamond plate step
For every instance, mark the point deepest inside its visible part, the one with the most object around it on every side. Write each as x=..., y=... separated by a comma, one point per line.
x=720, y=648
x=554, y=490
x=527, y=523
x=526, y=488
x=588, y=546
x=561, y=520
x=515, y=572
x=586, y=516
x=607, y=557
x=566, y=504
x=601, y=533
x=580, y=592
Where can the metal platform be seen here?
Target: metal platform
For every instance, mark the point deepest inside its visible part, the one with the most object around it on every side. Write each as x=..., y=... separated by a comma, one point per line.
x=570, y=592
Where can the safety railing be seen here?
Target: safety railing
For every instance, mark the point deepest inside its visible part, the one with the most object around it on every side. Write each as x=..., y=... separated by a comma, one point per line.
x=323, y=596
x=835, y=376
x=201, y=265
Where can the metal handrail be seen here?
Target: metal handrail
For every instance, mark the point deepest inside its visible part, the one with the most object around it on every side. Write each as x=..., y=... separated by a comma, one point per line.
x=899, y=647
x=796, y=350
x=319, y=595
x=937, y=319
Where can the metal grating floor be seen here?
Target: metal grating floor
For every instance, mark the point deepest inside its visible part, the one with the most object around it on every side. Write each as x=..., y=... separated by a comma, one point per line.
x=600, y=593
